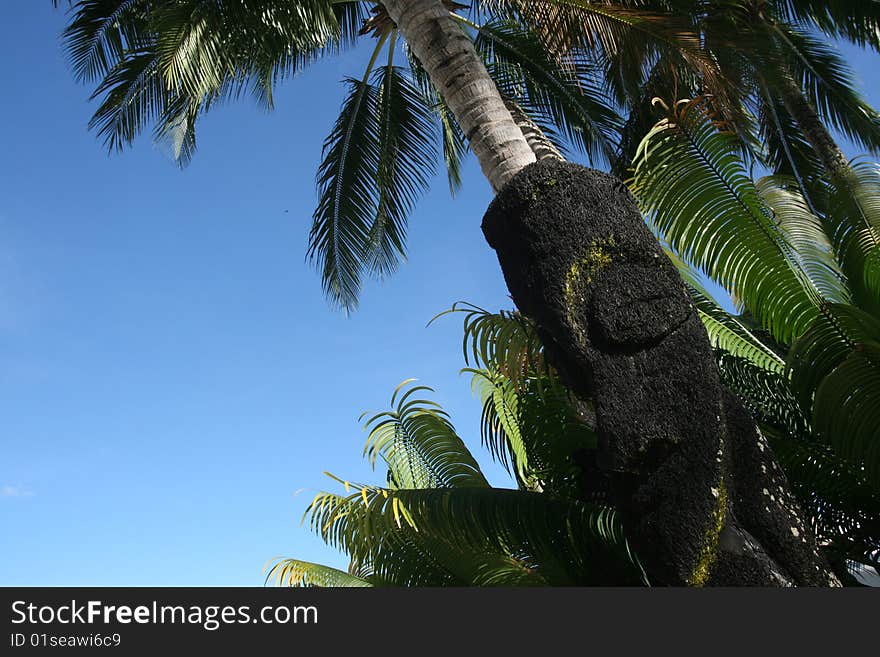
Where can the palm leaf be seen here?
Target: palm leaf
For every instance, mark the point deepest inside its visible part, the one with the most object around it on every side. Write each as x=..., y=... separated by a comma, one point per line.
x=419, y=444
x=854, y=226
x=340, y=237
x=806, y=233
x=562, y=95
x=690, y=181
x=856, y=20
x=828, y=83
x=293, y=572
x=835, y=369
x=569, y=541
x=407, y=153
x=504, y=342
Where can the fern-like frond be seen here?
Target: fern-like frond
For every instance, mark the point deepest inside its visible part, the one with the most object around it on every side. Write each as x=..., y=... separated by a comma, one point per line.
x=535, y=429
x=566, y=542
x=419, y=444
x=854, y=225
x=806, y=233
x=293, y=572
x=835, y=371
x=691, y=183
x=503, y=342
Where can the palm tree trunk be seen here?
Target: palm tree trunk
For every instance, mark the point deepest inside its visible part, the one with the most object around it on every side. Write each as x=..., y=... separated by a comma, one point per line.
x=541, y=146
x=702, y=498
x=815, y=132
x=448, y=56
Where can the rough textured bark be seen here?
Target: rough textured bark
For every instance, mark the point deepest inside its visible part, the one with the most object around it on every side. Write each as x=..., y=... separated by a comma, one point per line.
x=540, y=144
x=703, y=499
x=814, y=130
x=456, y=70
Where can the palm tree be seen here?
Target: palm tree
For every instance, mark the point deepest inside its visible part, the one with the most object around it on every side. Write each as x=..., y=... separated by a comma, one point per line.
x=609, y=307
x=804, y=355
x=437, y=522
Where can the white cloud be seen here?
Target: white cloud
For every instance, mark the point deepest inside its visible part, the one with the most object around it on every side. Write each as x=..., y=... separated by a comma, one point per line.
x=14, y=491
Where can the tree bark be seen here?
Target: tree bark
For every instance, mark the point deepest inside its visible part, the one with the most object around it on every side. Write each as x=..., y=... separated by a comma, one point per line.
x=815, y=132
x=457, y=72
x=703, y=500
x=702, y=497
x=540, y=144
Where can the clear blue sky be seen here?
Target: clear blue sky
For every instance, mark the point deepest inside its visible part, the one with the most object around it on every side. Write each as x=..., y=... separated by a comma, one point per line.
x=170, y=374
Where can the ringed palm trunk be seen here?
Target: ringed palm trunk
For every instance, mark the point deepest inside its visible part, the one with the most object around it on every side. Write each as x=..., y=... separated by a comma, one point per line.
x=815, y=132
x=702, y=498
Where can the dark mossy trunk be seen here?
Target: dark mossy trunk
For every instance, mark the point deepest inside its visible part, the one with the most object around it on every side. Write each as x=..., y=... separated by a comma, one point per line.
x=702, y=498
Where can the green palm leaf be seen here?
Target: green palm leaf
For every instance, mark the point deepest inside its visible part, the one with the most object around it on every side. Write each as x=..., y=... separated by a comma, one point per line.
x=293, y=572
x=504, y=342
x=835, y=369
x=166, y=62
x=564, y=95
x=854, y=226
x=534, y=429
x=690, y=181
x=419, y=444
x=569, y=541
x=377, y=161
x=408, y=150
x=856, y=20
x=806, y=233
x=828, y=83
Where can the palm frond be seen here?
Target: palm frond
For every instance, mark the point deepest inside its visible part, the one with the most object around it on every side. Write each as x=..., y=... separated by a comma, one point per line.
x=840, y=502
x=565, y=542
x=805, y=232
x=854, y=226
x=340, y=237
x=566, y=95
x=727, y=332
x=293, y=572
x=160, y=62
x=691, y=183
x=855, y=20
x=534, y=429
x=829, y=84
x=504, y=342
x=835, y=370
x=407, y=143
x=419, y=444
x=455, y=144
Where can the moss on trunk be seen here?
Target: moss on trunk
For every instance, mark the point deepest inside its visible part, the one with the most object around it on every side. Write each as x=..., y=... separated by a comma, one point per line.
x=619, y=326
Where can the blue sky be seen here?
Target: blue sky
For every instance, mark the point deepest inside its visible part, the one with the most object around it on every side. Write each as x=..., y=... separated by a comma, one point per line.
x=170, y=374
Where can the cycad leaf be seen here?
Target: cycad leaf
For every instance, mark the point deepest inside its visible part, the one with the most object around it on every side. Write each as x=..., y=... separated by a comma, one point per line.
x=805, y=232
x=691, y=183
x=835, y=372
x=419, y=444
x=504, y=342
x=854, y=219
x=569, y=541
x=293, y=572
